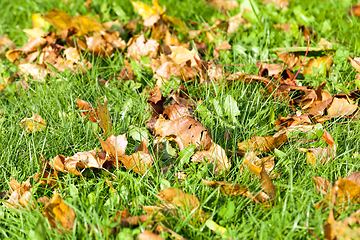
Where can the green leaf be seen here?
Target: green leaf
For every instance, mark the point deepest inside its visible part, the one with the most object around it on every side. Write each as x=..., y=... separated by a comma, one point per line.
x=138, y=133
x=186, y=154
x=227, y=211
x=39, y=233
x=279, y=153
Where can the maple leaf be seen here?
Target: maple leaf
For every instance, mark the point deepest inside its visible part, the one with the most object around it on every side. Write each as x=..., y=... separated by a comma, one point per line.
x=138, y=46
x=215, y=154
x=184, y=131
x=174, y=197
x=34, y=124
x=140, y=161
x=322, y=155
x=20, y=195
x=58, y=213
x=261, y=144
x=234, y=189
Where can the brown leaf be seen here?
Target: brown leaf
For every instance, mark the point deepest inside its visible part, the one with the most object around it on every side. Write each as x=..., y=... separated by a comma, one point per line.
x=34, y=124
x=224, y=4
x=342, y=191
x=59, y=214
x=341, y=107
x=322, y=155
x=222, y=47
x=261, y=144
x=278, y=72
x=148, y=235
x=184, y=131
x=176, y=111
x=234, y=189
x=174, y=197
x=215, y=154
x=37, y=72
x=138, y=46
x=20, y=195
x=316, y=63
x=81, y=160
x=104, y=117
x=278, y=3
x=322, y=185
x=86, y=110
x=140, y=161
x=267, y=185
x=355, y=10
x=355, y=176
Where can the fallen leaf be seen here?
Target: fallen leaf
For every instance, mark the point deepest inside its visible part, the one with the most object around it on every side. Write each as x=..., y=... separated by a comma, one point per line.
x=138, y=46
x=222, y=47
x=278, y=3
x=148, y=235
x=104, y=117
x=184, y=131
x=215, y=154
x=140, y=161
x=234, y=189
x=59, y=214
x=341, y=107
x=34, y=124
x=20, y=195
x=224, y=4
x=86, y=110
x=261, y=144
x=322, y=185
x=322, y=155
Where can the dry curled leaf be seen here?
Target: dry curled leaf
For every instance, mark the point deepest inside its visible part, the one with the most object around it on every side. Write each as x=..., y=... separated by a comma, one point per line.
x=184, y=131
x=261, y=144
x=322, y=185
x=215, y=154
x=140, y=161
x=234, y=189
x=20, y=195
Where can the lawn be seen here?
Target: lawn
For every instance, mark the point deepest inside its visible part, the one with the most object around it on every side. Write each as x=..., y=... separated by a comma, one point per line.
x=103, y=199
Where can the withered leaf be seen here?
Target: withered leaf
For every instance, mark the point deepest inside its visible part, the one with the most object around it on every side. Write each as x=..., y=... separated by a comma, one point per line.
x=261, y=144
x=140, y=161
x=266, y=184
x=341, y=107
x=86, y=110
x=20, y=195
x=322, y=185
x=215, y=154
x=234, y=189
x=149, y=235
x=322, y=155
x=184, y=131
x=104, y=117
x=58, y=213
x=138, y=46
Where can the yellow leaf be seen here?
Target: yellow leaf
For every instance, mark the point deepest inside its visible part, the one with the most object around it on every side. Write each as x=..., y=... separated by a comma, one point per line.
x=144, y=10
x=39, y=22
x=33, y=124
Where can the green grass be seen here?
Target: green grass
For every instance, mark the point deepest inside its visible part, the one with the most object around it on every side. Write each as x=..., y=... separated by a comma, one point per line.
x=68, y=133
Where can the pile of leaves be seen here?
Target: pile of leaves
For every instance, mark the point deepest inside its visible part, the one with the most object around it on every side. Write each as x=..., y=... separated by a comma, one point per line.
x=59, y=42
